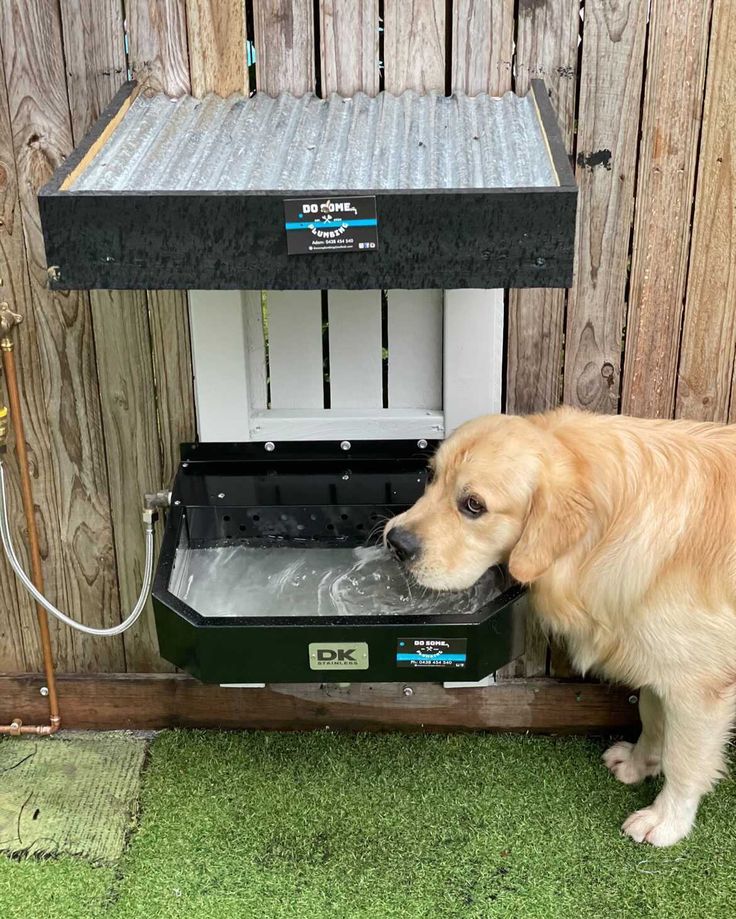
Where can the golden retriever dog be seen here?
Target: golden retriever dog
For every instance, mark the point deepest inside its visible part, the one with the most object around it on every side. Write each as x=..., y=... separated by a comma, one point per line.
x=625, y=530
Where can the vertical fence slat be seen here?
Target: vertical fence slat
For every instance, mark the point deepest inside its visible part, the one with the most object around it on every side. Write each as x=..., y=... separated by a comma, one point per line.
x=217, y=53
x=158, y=53
x=414, y=349
x=128, y=397
x=19, y=643
x=678, y=46
x=349, y=46
x=414, y=45
x=220, y=369
x=546, y=48
x=473, y=354
x=126, y=380
x=295, y=349
x=610, y=91
x=356, y=368
x=482, y=46
x=349, y=62
x=82, y=545
x=284, y=39
x=709, y=333
x=482, y=43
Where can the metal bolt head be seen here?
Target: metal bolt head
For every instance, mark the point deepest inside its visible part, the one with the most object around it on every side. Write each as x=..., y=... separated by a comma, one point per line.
x=346, y=476
x=177, y=503
x=540, y=262
x=633, y=700
x=221, y=495
x=269, y=446
x=345, y=445
x=408, y=691
x=422, y=444
x=44, y=690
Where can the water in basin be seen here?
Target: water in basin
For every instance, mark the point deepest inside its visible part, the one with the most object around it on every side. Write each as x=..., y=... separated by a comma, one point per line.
x=253, y=580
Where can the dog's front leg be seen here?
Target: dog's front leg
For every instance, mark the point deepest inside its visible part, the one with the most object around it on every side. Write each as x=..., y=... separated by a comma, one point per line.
x=632, y=763
x=696, y=726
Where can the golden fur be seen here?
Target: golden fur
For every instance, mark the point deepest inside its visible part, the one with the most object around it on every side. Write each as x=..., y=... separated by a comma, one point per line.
x=625, y=529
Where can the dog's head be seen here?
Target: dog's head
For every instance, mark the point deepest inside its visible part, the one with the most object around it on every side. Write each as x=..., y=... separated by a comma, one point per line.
x=502, y=489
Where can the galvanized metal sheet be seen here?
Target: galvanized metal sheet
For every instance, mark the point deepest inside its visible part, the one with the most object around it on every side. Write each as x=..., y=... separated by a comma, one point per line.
x=262, y=143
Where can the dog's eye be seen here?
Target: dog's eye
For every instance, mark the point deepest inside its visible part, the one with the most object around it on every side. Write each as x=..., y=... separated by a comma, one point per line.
x=472, y=506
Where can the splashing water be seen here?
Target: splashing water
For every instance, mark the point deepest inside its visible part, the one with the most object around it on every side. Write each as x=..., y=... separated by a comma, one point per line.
x=245, y=580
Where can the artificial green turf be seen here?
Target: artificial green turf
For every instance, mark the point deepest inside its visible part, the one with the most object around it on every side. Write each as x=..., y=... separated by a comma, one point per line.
x=321, y=826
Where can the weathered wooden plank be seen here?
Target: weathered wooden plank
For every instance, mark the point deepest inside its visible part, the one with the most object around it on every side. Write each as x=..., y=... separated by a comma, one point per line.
x=94, y=53
x=482, y=46
x=19, y=640
x=608, y=127
x=152, y=701
x=678, y=45
x=172, y=370
x=414, y=45
x=349, y=46
x=128, y=397
x=546, y=48
x=158, y=53
x=284, y=40
x=709, y=334
x=217, y=51
x=40, y=118
x=158, y=44
x=126, y=384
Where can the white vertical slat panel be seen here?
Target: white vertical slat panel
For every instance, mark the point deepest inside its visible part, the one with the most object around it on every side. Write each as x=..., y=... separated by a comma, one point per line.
x=295, y=348
x=415, y=349
x=355, y=349
x=255, y=356
x=217, y=320
x=473, y=348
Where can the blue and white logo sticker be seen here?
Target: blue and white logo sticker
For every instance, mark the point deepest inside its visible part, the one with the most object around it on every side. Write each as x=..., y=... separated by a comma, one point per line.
x=432, y=652
x=315, y=225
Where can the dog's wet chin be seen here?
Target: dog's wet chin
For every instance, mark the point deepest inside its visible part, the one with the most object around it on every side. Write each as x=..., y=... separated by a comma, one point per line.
x=444, y=580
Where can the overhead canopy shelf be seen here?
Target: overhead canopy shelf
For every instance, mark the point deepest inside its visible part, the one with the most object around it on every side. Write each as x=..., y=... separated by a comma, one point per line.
x=215, y=193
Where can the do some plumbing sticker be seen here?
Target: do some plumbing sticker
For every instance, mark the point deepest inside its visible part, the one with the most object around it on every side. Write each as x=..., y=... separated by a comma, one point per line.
x=315, y=225
x=431, y=652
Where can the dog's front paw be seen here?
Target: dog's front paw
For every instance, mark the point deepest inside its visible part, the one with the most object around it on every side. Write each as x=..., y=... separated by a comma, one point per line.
x=626, y=763
x=658, y=828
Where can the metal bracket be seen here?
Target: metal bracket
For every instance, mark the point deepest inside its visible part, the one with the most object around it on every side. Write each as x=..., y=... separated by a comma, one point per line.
x=489, y=680
x=8, y=318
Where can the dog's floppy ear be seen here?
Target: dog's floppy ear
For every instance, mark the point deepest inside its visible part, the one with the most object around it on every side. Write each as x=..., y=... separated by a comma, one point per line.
x=558, y=518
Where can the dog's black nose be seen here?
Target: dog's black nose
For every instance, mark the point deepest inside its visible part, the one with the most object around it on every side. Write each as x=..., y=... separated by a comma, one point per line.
x=403, y=543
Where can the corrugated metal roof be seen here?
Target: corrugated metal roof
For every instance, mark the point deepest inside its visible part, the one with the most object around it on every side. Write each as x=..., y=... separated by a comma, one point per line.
x=263, y=143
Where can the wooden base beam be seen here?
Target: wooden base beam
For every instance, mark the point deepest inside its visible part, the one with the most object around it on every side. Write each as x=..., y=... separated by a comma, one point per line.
x=149, y=701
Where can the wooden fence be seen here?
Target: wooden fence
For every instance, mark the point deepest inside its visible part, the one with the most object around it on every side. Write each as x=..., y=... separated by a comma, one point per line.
x=644, y=95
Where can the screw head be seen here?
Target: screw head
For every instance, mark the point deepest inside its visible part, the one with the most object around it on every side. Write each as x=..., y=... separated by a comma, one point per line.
x=221, y=495
x=408, y=691
x=269, y=446
x=44, y=690
x=346, y=476
x=422, y=444
x=345, y=445
x=177, y=503
x=633, y=700
x=540, y=262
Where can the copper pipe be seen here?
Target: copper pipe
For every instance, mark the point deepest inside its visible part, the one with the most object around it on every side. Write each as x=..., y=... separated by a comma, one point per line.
x=17, y=727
